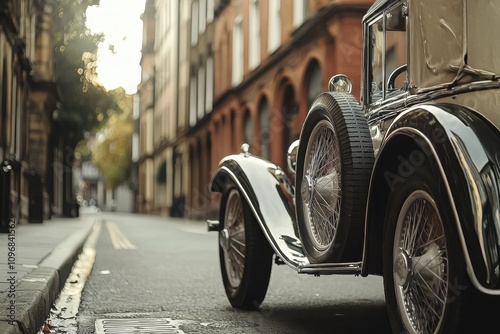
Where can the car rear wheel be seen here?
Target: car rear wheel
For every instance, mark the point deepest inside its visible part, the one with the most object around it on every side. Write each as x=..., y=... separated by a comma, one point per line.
x=245, y=254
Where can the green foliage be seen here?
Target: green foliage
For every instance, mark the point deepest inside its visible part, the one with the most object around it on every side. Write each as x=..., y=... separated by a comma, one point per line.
x=112, y=152
x=84, y=105
x=82, y=150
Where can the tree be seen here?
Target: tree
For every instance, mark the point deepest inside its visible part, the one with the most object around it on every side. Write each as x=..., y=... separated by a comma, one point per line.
x=84, y=104
x=112, y=151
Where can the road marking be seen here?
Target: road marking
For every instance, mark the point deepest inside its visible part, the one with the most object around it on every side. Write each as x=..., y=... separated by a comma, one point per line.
x=120, y=241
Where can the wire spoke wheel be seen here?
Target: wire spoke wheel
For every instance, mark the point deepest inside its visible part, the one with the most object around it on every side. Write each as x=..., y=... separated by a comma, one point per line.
x=420, y=264
x=334, y=164
x=232, y=240
x=245, y=255
x=321, y=185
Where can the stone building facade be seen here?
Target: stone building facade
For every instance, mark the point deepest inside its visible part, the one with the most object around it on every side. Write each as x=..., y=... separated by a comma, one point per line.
x=28, y=98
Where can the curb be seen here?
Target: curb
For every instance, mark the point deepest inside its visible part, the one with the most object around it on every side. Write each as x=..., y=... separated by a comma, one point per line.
x=39, y=289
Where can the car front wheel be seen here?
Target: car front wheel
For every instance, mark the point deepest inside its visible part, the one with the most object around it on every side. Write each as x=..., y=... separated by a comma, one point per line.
x=245, y=254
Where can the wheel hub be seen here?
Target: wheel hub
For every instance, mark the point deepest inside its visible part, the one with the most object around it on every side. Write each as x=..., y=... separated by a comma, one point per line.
x=224, y=239
x=429, y=267
x=402, y=269
x=307, y=189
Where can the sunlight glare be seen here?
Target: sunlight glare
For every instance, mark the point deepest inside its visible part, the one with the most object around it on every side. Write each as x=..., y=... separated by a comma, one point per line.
x=120, y=52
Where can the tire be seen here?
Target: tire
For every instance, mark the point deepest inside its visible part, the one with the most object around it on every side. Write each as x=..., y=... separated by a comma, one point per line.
x=335, y=160
x=426, y=285
x=245, y=254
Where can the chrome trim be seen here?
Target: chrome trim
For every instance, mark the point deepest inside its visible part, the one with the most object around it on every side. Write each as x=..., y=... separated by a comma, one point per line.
x=340, y=83
x=351, y=268
x=291, y=156
x=245, y=148
x=212, y=225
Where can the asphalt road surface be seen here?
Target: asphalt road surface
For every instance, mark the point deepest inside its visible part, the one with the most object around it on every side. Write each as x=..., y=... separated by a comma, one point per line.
x=150, y=267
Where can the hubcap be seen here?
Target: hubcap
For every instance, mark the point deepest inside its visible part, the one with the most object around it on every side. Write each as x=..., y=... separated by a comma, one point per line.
x=224, y=239
x=420, y=264
x=402, y=269
x=321, y=185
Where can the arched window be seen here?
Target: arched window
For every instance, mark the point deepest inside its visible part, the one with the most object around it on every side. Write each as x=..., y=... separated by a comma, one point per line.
x=290, y=110
x=315, y=82
x=248, y=128
x=232, y=130
x=264, y=129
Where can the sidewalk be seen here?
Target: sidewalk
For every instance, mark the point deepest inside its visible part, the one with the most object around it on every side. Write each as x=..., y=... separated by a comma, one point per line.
x=31, y=280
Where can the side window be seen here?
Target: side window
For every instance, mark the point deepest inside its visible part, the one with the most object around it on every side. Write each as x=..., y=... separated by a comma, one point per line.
x=387, y=55
x=395, y=50
x=377, y=44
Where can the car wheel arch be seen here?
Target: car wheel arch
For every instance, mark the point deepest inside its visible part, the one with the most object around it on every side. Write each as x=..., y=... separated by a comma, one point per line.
x=411, y=131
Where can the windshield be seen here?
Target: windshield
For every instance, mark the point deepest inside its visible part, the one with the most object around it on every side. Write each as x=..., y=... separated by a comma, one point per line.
x=387, y=54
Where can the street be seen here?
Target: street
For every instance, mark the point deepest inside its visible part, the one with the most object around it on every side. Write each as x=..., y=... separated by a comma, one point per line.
x=156, y=267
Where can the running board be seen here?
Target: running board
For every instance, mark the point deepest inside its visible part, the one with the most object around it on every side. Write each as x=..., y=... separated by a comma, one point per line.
x=289, y=251
x=316, y=269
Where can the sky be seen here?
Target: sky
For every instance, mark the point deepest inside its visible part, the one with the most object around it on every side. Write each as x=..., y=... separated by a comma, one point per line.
x=119, y=55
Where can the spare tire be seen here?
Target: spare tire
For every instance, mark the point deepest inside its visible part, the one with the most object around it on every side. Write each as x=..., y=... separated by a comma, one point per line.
x=334, y=164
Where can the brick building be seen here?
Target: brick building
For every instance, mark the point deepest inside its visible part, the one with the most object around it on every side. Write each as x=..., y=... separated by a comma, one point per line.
x=272, y=58
x=246, y=71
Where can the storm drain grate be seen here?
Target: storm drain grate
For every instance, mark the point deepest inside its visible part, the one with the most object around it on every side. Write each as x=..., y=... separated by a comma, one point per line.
x=139, y=326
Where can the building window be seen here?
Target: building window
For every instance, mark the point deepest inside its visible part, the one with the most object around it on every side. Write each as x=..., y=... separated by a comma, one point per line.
x=274, y=33
x=169, y=13
x=232, y=130
x=203, y=15
x=264, y=129
x=201, y=92
x=194, y=23
x=210, y=11
x=209, y=96
x=315, y=83
x=289, y=113
x=4, y=111
x=237, y=74
x=248, y=128
x=300, y=12
x=254, y=49
x=192, y=100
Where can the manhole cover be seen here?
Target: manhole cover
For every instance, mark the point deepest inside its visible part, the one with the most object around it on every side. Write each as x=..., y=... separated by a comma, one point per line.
x=142, y=326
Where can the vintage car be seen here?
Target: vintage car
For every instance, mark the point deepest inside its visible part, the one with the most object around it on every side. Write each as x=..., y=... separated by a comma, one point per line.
x=403, y=183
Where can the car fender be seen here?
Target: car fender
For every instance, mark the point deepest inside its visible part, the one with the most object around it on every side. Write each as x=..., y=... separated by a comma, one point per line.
x=269, y=194
x=463, y=150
